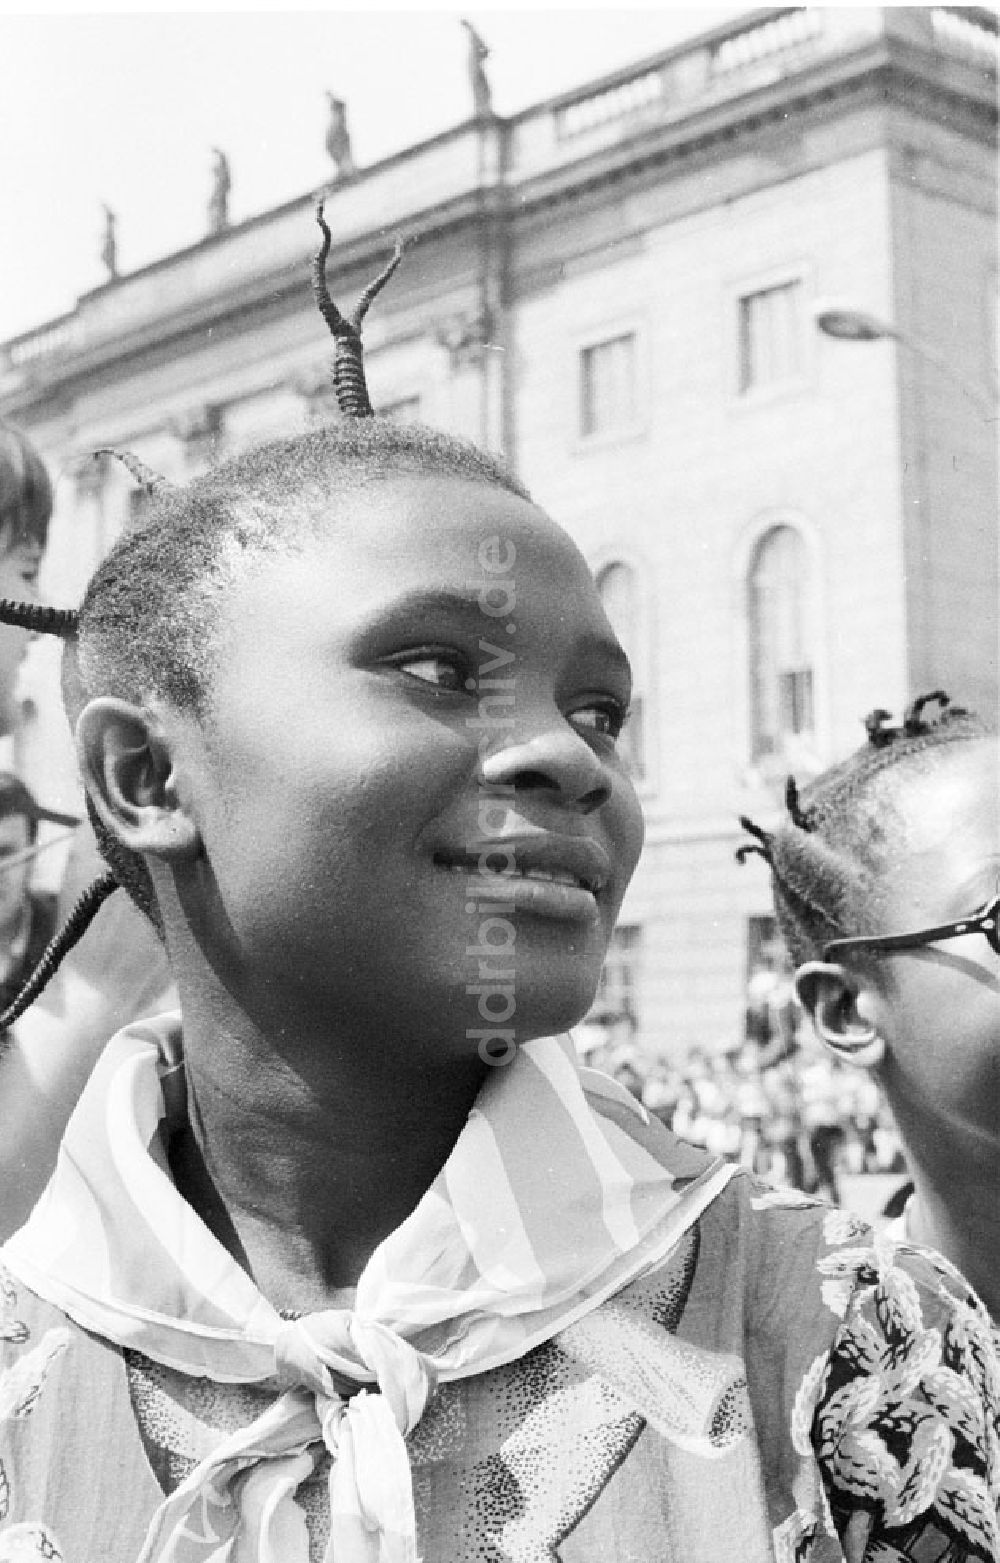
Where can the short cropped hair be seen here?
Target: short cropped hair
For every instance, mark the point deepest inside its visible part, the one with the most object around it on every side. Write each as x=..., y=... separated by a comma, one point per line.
x=145, y=622
x=828, y=855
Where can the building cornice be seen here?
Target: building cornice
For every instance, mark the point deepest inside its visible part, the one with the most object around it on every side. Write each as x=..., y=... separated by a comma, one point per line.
x=884, y=76
x=268, y=296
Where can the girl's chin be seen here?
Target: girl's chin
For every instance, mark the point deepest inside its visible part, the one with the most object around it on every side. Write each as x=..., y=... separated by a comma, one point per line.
x=529, y=1020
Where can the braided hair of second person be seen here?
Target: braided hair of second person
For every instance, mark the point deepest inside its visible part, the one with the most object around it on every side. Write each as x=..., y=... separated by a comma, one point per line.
x=827, y=855
x=145, y=624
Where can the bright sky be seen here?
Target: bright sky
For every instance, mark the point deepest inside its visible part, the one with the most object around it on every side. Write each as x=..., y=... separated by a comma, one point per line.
x=124, y=108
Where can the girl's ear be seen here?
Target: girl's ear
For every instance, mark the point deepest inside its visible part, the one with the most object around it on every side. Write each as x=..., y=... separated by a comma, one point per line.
x=840, y=1010
x=129, y=774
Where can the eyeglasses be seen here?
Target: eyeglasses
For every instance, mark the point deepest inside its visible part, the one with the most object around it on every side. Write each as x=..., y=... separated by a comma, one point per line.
x=985, y=921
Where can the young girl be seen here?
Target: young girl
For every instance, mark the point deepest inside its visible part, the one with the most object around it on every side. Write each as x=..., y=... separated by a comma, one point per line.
x=347, y=1260
x=887, y=885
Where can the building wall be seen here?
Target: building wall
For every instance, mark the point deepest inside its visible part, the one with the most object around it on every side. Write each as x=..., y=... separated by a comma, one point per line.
x=684, y=494
x=943, y=206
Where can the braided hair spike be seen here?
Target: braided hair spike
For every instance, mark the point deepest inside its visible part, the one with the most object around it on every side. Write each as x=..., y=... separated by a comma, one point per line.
x=878, y=734
x=39, y=618
x=349, y=381
x=336, y=322
x=796, y=812
x=72, y=931
x=761, y=846
x=152, y=482
x=913, y=722
x=375, y=287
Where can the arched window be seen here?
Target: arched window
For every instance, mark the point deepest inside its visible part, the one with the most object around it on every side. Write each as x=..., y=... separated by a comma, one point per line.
x=619, y=592
x=781, y=643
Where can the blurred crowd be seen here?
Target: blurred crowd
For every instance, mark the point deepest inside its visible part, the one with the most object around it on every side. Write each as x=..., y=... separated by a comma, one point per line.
x=775, y=1100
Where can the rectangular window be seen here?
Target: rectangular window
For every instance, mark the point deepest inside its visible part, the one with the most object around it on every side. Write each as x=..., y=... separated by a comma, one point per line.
x=771, y=1017
x=781, y=626
x=771, y=345
x=608, y=385
x=795, y=701
x=618, y=991
x=761, y=934
x=782, y=709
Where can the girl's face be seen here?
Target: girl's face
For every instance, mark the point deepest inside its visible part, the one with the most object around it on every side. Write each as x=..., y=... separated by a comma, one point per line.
x=941, y=1002
x=18, y=578
x=407, y=782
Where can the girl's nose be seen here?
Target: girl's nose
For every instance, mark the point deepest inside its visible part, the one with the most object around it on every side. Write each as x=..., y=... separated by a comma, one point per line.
x=559, y=761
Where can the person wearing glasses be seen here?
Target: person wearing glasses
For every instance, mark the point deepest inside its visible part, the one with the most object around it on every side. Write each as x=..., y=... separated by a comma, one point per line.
x=886, y=878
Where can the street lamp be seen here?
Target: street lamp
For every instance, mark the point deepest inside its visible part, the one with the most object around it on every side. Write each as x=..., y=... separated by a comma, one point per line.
x=857, y=325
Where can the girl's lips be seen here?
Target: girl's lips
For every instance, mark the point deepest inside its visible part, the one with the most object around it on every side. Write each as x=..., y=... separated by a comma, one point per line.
x=526, y=892
x=550, y=876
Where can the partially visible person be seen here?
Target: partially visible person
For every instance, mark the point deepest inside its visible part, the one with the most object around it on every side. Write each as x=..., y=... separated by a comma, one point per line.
x=772, y=1014
x=783, y=1136
x=822, y=1125
x=661, y=1090
x=25, y=511
x=121, y=973
x=27, y=916
x=886, y=879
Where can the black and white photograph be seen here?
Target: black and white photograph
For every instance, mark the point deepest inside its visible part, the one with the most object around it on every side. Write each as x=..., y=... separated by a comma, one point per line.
x=499, y=785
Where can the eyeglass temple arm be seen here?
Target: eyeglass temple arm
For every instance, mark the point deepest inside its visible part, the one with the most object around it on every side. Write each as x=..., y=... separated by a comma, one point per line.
x=981, y=922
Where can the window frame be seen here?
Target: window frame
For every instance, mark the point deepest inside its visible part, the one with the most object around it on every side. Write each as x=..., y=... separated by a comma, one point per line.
x=624, y=955
x=753, y=396
x=777, y=672
x=807, y=756
x=645, y=782
x=599, y=334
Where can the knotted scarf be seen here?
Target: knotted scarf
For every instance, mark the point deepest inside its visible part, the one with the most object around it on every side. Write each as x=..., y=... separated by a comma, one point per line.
x=556, y=1195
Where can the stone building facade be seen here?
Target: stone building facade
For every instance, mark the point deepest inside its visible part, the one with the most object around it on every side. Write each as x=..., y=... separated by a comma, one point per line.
x=618, y=288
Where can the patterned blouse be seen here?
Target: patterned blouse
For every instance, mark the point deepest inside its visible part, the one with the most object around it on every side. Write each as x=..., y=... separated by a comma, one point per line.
x=781, y=1388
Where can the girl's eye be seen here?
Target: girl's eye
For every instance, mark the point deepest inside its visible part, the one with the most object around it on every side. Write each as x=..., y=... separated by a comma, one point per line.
x=441, y=670
x=605, y=718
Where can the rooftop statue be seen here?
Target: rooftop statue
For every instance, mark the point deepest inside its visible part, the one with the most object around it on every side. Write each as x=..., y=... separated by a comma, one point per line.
x=109, y=243
x=338, y=137
x=218, y=201
x=482, y=97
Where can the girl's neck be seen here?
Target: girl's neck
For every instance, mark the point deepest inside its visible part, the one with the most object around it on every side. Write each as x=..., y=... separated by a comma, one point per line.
x=302, y=1160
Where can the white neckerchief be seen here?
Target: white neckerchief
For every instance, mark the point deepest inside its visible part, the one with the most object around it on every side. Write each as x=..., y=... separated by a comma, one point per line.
x=556, y=1195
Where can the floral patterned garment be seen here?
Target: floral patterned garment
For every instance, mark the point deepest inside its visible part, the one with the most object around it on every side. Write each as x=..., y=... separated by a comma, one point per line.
x=781, y=1388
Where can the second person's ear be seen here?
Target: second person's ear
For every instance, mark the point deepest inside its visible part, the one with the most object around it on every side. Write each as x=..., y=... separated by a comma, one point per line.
x=841, y=1012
